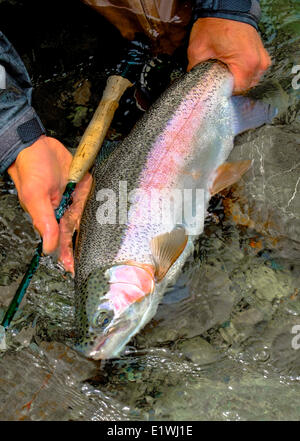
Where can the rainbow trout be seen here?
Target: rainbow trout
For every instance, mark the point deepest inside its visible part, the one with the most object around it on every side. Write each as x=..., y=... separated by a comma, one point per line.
x=149, y=202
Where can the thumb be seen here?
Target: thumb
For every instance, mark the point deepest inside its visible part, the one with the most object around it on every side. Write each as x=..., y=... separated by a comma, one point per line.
x=198, y=54
x=41, y=211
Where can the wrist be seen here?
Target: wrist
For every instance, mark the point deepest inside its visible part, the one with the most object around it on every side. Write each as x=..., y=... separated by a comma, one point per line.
x=38, y=143
x=245, y=11
x=21, y=133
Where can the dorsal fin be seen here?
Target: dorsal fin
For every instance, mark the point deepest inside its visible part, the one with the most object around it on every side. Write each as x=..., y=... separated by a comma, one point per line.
x=229, y=173
x=166, y=248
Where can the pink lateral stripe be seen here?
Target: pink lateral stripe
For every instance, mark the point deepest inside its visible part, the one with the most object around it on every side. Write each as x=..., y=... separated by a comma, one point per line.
x=167, y=156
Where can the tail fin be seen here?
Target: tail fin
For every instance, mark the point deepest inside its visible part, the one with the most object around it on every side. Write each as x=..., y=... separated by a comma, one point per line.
x=249, y=113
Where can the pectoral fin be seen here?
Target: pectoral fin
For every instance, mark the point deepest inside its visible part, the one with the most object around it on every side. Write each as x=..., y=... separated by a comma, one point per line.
x=227, y=174
x=166, y=248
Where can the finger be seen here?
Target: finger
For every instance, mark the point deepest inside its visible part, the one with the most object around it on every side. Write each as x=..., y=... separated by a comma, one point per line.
x=41, y=210
x=264, y=64
x=66, y=247
x=70, y=222
x=198, y=55
x=67, y=227
x=266, y=61
x=243, y=75
x=256, y=78
x=73, y=214
x=81, y=193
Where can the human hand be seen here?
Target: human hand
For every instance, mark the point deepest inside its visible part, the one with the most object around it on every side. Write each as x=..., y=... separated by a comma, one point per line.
x=234, y=43
x=40, y=173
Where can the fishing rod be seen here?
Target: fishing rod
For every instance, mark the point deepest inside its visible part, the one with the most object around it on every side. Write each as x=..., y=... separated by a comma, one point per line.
x=127, y=73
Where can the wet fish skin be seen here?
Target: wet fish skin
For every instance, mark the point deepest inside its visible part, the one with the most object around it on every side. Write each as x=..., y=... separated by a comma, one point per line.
x=180, y=143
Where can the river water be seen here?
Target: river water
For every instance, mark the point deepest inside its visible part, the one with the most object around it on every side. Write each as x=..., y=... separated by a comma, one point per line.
x=223, y=344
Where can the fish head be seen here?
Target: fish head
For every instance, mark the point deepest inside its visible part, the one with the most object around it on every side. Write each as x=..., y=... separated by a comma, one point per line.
x=114, y=304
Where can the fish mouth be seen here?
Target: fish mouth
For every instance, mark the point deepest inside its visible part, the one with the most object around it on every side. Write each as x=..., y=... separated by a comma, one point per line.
x=95, y=351
x=98, y=351
x=117, y=345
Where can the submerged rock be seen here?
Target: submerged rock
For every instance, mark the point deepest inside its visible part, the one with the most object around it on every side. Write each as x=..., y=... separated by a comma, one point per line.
x=267, y=284
x=267, y=199
x=242, y=326
x=45, y=383
x=198, y=350
x=206, y=302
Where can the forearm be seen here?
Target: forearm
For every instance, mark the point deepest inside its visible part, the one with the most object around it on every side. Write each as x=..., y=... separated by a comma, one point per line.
x=246, y=11
x=19, y=124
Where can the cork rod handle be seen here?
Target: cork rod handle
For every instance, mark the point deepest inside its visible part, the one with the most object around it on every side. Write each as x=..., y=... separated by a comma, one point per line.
x=95, y=133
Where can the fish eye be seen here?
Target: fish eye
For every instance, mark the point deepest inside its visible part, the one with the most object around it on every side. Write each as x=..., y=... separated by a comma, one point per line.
x=103, y=318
